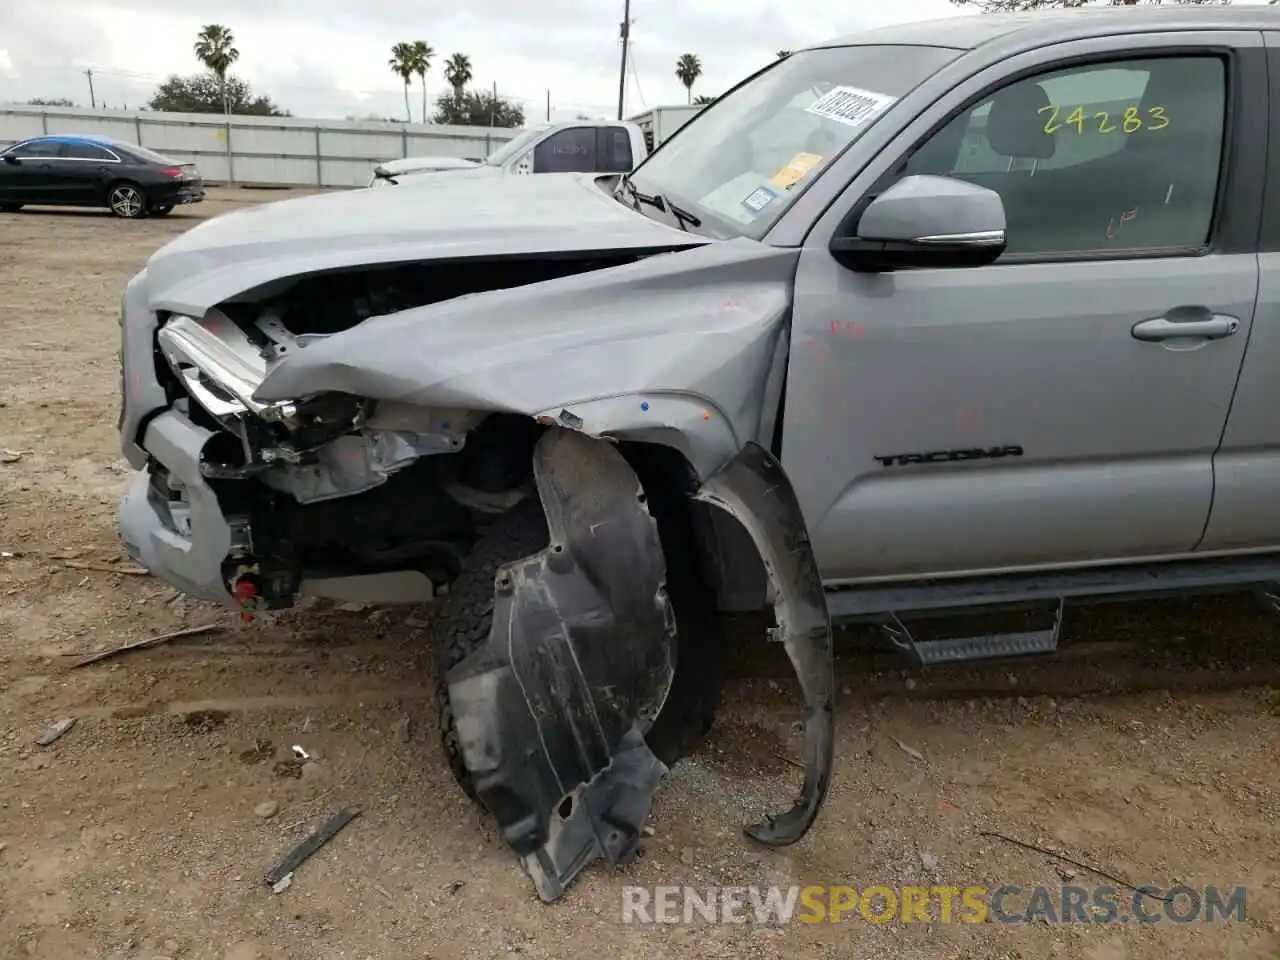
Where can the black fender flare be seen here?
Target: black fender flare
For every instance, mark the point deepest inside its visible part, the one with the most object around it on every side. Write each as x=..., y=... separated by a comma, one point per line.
x=754, y=489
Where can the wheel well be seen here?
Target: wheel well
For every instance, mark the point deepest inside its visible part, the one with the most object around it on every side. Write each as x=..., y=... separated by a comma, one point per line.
x=727, y=557
x=450, y=492
x=497, y=457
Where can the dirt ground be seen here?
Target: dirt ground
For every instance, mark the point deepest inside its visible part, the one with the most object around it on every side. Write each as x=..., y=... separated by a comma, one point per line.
x=1147, y=749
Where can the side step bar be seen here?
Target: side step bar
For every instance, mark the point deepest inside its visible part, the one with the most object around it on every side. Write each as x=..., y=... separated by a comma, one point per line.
x=926, y=653
x=888, y=604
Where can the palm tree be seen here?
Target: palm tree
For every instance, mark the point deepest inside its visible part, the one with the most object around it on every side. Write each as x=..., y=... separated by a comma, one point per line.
x=215, y=48
x=404, y=65
x=688, y=69
x=702, y=101
x=422, y=54
x=457, y=73
x=783, y=54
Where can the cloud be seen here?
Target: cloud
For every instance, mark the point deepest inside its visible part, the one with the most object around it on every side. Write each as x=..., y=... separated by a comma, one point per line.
x=329, y=57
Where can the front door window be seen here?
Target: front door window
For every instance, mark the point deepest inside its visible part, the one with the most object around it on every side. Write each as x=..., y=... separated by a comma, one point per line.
x=1109, y=156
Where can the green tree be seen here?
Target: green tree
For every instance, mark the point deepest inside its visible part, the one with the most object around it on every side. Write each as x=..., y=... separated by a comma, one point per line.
x=688, y=70
x=422, y=54
x=783, y=54
x=477, y=108
x=703, y=100
x=457, y=73
x=215, y=48
x=51, y=102
x=209, y=93
x=1017, y=6
x=404, y=64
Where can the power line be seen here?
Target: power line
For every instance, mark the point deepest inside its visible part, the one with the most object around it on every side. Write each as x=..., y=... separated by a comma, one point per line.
x=635, y=75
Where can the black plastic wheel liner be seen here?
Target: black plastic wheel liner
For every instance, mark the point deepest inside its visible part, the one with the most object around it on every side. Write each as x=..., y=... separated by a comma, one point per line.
x=551, y=713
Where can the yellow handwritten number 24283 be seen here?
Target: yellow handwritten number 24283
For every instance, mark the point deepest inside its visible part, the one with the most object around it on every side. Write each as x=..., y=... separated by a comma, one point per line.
x=1131, y=121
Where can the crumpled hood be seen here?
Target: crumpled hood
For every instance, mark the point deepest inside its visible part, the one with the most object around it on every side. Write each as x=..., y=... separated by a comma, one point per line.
x=689, y=333
x=441, y=218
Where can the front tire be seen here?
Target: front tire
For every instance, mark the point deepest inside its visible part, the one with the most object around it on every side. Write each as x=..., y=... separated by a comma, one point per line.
x=467, y=616
x=127, y=200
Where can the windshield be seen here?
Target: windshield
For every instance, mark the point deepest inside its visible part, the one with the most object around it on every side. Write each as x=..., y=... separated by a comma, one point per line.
x=743, y=160
x=512, y=147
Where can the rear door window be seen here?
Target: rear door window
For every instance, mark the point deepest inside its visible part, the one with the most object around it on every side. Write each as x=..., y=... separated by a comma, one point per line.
x=615, y=150
x=85, y=151
x=572, y=150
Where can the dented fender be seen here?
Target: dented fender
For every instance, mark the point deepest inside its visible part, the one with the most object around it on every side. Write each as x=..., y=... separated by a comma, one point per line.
x=699, y=430
x=754, y=489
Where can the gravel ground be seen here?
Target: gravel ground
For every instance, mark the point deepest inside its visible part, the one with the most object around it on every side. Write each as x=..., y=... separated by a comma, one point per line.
x=1146, y=749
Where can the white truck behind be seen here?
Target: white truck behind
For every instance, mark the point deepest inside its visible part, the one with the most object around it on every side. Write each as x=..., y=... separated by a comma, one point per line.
x=657, y=125
x=578, y=146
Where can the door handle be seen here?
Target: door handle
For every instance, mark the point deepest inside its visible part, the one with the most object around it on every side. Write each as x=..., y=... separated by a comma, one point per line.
x=1205, y=326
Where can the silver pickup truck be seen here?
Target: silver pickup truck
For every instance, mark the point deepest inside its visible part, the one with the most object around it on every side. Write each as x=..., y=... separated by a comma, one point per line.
x=945, y=317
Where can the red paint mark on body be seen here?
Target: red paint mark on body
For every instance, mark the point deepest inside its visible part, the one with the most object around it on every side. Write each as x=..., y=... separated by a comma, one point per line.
x=968, y=420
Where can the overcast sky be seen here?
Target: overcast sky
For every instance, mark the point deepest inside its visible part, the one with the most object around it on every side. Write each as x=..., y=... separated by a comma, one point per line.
x=328, y=58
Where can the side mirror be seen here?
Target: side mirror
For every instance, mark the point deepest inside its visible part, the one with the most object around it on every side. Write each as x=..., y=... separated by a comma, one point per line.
x=924, y=221
x=10, y=158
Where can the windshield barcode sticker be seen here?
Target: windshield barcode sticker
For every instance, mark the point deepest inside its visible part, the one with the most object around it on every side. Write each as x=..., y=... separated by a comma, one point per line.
x=849, y=105
x=758, y=199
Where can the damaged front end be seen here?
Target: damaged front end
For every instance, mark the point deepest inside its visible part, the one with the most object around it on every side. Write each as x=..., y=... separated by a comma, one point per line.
x=329, y=493
x=349, y=450
x=355, y=436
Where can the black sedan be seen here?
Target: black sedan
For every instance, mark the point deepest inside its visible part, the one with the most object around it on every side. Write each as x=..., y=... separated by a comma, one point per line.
x=92, y=171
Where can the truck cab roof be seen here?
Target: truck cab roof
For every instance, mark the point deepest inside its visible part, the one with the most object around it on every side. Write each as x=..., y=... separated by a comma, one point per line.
x=1040, y=27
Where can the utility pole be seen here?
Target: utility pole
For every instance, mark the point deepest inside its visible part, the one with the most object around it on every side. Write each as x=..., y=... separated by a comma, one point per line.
x=548, y=106
x=226, y=117
x=626, y=40
x=93, y=101
x=493, y=104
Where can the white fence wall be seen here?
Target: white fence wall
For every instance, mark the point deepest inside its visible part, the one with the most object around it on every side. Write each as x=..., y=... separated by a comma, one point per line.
x=264, y=150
